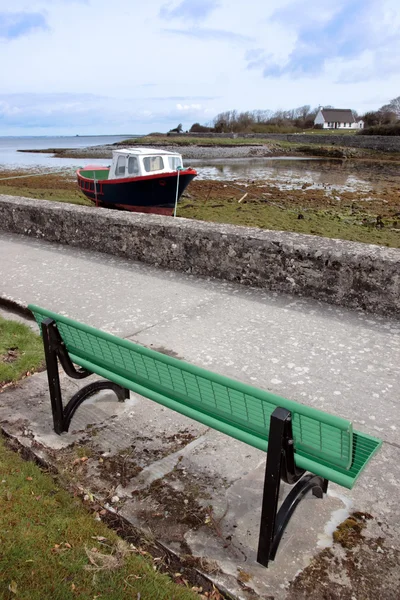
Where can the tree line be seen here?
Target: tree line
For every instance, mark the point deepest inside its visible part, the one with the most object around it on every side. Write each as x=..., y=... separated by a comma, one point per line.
x=290, y=121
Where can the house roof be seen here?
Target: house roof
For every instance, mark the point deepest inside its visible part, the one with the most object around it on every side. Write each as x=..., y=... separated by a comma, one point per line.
x=338, y=115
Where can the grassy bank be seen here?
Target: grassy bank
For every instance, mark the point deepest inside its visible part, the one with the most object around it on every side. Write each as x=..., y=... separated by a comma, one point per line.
x=189, y=140
x=52, y=547
x=165, y=140
x=21, y=352
x=48, y=186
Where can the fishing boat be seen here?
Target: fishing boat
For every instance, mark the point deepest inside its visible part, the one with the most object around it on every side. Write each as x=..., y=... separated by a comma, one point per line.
x=139, y=179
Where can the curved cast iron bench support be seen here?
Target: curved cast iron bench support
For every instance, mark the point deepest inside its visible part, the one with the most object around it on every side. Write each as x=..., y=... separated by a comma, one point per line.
x=54, y=349
x=281, y=466
x=85, y=393
x=308, y=483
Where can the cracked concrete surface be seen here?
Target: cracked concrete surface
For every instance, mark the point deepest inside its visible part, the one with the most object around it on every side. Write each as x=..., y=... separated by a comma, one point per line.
x=195, y=489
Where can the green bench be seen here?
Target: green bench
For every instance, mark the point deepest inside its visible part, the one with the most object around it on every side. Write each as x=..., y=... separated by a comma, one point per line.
x=306, y=447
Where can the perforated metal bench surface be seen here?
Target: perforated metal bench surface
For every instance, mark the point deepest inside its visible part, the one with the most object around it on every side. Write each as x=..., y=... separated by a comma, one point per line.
x=324, y=444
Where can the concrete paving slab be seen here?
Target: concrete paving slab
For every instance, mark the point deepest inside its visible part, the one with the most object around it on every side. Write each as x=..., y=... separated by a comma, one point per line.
x=118, y=295
x=198, y=491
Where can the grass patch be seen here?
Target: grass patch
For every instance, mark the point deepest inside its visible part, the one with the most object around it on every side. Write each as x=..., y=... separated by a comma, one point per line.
x=43, y=194
x=21, y=351
x=192, y=141
x=331, y=131
x=49, y=186
x=51, y=546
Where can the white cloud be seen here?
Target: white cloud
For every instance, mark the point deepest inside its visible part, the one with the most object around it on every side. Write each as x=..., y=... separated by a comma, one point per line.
x=188, y=106
x=105, y=66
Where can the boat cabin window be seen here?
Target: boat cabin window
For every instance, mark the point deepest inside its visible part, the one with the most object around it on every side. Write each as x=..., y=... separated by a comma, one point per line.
x=120, y=168
x=174, y=162
x=133, y=166
x=153, y=163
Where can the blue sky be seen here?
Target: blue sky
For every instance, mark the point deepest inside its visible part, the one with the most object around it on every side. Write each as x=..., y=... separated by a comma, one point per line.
x=95, y=66
x=17, y=24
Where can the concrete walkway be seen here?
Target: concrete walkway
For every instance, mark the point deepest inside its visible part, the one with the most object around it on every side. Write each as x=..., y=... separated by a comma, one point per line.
x=341, y=361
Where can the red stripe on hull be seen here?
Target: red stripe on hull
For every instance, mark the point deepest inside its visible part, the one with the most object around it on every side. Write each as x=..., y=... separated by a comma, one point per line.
x=188, y=171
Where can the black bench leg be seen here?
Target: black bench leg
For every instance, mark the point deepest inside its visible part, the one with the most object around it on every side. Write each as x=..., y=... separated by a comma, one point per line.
x=281, y=465
x=55, y=350
x=308, y=483
x=50, y=350
x=272, y=483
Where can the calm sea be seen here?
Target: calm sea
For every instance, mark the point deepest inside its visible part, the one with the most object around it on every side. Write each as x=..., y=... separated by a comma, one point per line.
x=10, y=158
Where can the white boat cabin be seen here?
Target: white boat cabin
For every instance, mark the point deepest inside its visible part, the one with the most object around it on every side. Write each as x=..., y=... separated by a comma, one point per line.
x=138, y=162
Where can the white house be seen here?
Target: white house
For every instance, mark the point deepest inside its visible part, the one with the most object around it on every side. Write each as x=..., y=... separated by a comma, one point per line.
x=337, y=118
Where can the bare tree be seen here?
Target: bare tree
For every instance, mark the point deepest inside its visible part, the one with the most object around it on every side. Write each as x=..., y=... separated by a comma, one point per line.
x=262, y=116
x=394, y=106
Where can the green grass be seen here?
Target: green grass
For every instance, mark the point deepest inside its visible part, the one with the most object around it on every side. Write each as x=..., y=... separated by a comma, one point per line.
x=21, y=351
x=48, y=185
x=50, y=546
x=193, y=141
x=189, y=140
x=331, y=131
x=58, y=195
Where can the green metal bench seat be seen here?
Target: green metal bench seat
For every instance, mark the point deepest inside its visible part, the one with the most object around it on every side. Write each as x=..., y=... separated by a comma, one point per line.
x=308, y=439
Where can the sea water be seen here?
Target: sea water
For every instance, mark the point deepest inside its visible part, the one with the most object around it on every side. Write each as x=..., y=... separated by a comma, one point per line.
x=10, y=158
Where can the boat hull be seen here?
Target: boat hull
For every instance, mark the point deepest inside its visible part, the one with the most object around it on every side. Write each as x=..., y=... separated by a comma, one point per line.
x=150, y=194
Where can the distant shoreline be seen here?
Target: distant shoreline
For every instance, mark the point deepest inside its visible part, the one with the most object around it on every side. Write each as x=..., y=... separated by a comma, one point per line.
x=202, y=148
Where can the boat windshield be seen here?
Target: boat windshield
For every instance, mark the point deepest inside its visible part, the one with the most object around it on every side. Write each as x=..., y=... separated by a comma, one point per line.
x=133, y=166
x=174, y=162
x=120, y=168
x=153, y=163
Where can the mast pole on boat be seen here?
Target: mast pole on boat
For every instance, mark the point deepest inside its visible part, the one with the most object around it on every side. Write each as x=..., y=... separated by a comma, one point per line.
x=177, y=189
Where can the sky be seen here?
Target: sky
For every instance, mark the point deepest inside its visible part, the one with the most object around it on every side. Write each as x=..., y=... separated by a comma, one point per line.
x=92, y=67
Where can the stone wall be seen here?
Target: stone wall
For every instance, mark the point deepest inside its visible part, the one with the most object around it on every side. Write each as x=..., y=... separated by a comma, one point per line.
x=383, y=143
x=346, y=273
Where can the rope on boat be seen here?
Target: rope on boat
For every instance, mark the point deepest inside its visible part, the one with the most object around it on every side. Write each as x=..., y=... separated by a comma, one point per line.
x=32, y=175
x=178, y=169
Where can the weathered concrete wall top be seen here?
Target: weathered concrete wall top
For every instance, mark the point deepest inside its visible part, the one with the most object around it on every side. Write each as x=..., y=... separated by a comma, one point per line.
x=345, y=273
